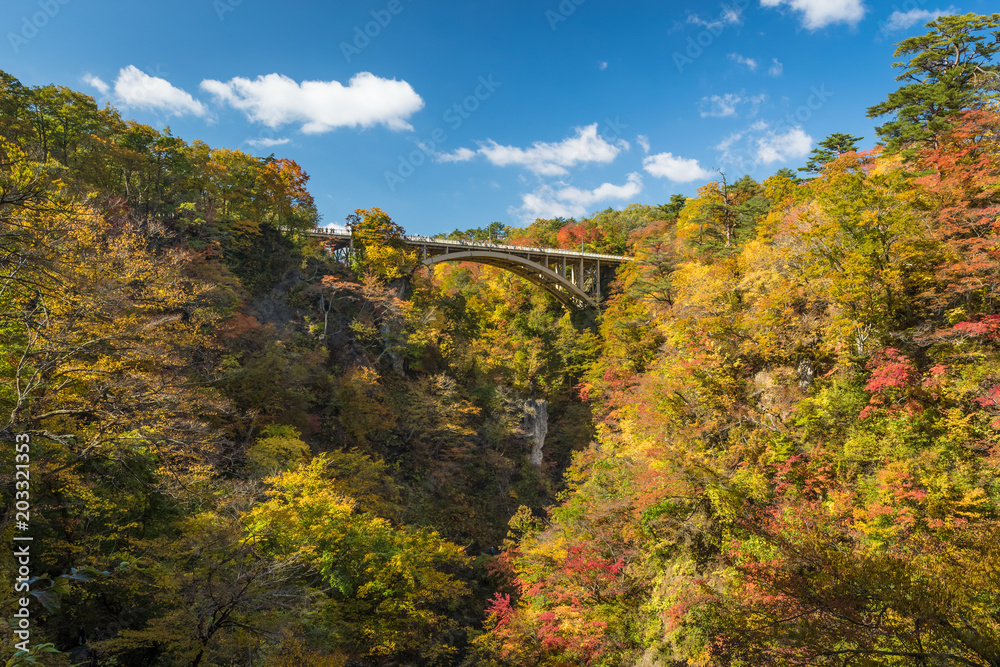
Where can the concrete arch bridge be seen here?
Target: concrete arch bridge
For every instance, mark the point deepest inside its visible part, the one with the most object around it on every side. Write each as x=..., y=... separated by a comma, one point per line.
x=574, y=278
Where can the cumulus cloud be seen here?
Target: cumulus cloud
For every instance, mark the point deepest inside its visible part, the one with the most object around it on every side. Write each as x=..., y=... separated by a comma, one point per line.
x=902, y=20
x=135, y=88
x=783, y=146
x=320, y=106
x=567, y=201
x=761, y=143
x=675, y=168
x=545, y=158
x=643, y=142
x=721, y=106
x=267, y=142
x=603, y=65
x=96, y=82
x=750, y=63
x=776, y=68
x=821, y=13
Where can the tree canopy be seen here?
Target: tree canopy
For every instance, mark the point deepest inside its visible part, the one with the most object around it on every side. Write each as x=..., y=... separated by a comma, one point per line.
x=952, y=68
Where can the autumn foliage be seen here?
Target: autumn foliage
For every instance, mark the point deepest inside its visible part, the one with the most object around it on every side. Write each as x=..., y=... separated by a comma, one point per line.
x=777, y=443
x=797, y=462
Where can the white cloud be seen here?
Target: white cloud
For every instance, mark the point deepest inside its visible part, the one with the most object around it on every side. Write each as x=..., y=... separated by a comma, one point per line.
x=135, y=88
x=566, y=201
x=783, y=146
x=776, y=68
x=643, y=142
x=729, y=150
x=821, y=13
x=760, y=143
x=96, y=82
x=266, y=142
x=603, y=192
x=731, y=15
x=721, y=106
x=552, y=159
x=728, y=16
x=603, y=65
x=743, y=60
x=902, y=20
x=460, y=155
x=728, y=142
x=320, y=106
x=677, y=169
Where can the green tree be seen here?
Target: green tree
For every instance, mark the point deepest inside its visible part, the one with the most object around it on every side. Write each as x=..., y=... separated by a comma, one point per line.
x=727, y=212
x=830, y=149
x=495, y=231
x=950, y=69
x=673, y=208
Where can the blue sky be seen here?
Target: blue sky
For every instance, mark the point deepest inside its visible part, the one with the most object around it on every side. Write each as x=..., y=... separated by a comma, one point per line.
x=454, y=114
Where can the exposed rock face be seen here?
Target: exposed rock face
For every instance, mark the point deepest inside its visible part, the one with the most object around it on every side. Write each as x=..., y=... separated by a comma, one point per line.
x=401, y=288
x=391, y=338
x=536, y=424
x=805, y=374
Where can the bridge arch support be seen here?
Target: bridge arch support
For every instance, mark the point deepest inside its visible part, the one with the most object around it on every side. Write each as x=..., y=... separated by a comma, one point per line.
x=555, y=284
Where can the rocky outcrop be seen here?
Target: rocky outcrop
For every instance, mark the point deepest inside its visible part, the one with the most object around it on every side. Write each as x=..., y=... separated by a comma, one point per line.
x=536, y=425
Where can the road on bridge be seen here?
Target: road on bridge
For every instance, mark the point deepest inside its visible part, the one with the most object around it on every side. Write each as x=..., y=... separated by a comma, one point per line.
x=574, y=278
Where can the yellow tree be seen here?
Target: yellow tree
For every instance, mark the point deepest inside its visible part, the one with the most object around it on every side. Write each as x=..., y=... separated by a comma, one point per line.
x=864, y=249
x=378, y=245
x=107, y=347
x=387, y=587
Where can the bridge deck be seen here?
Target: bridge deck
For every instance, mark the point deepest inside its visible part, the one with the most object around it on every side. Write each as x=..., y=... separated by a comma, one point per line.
x=574, y=278
x=448, y=245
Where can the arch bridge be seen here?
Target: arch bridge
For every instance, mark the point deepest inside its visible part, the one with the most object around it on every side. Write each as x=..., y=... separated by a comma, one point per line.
x=574, y=278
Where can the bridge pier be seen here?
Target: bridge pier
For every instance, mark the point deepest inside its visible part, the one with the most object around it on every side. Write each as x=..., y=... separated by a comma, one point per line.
x=597, y=281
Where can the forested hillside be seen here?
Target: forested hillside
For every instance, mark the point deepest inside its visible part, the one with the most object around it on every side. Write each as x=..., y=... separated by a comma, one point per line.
x=239, y=445
x=797, y=407
x=777, y=444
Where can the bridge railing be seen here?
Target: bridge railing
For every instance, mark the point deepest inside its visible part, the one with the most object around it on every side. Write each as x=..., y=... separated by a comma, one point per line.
x=417, y=238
